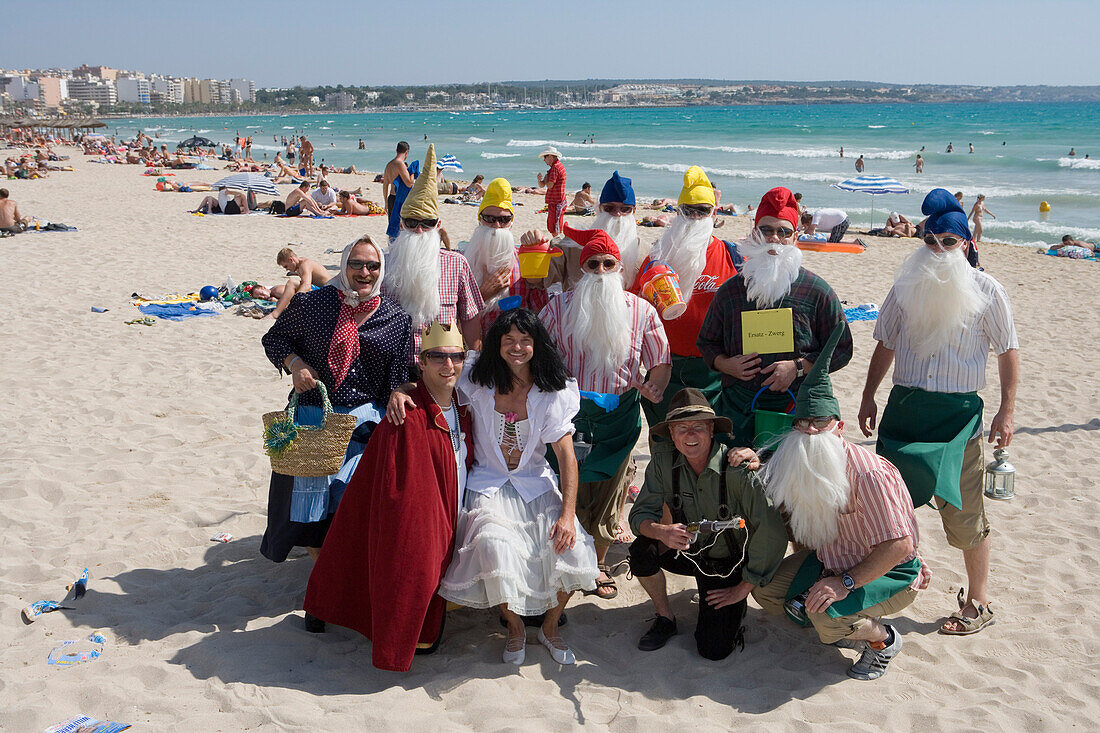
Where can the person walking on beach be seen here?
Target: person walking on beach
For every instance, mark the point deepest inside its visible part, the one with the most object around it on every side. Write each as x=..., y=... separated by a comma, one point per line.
x=306, y=150
x=397, y=181
x=554, y=182
x=976, y=213
x=859, y=164
x=919, y=165
x=936, y=327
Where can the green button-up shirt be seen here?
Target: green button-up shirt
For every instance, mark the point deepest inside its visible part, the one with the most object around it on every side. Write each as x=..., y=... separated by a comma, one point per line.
x=701, y=496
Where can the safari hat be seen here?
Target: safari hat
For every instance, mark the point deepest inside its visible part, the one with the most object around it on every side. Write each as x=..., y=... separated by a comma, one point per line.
x=688, y=405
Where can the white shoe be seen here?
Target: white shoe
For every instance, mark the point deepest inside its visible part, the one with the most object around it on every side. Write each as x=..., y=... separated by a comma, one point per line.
x=515, y=657
x=561, y=654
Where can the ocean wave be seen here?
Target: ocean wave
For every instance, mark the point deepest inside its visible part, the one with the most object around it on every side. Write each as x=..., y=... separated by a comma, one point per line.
x=711, y=171
x=287, y=127
x=1089, y=164
x=990, y=132
x=325, y=128
x=1056, y=231
x=790, y=152
x=476, y=140
x=490, y=156
x=202, y=131
x=875, y=127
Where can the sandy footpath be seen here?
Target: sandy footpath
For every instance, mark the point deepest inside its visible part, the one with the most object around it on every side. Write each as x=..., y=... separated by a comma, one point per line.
x=126, y=448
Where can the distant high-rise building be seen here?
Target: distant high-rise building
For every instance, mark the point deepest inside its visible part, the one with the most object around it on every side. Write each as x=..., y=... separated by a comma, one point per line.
x=100, y=91
x=246, y=88
x=133, y=90
x=52, y=91
x=103, y=72
x=340, y=101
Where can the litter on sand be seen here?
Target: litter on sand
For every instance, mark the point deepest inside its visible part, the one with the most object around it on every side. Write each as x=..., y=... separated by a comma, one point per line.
x=72, y=652
x=84, y=724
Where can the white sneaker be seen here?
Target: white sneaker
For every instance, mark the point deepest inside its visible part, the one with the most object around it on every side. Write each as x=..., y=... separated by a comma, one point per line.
x=562, y=654
x=872, y=662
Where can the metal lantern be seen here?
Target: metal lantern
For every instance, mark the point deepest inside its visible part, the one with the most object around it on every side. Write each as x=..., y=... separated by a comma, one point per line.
x=1000, y=476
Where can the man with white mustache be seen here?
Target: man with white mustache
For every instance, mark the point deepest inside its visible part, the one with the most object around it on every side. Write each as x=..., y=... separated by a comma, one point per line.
x=607, y=336
x=936, y=327
x=771, y=277
x=493, y=258
x=702, y=263
x=428, y=282
x=850, y=509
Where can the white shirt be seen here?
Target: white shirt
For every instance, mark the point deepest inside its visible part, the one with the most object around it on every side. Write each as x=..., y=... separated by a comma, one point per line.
x=224, y=198
x=451, y=416
x=322, y=198
x=549, y=416
x=960, y=368
x=828, y=218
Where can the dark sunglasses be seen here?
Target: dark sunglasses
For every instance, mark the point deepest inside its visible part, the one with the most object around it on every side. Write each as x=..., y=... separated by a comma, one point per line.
x=371, y=265
x=490, y=219
x=946, y=242
x=594, y=264
x=696, y=212
x=781, y=232
x=441, y=357
x=617, y=209
x=413, y=224
x=821, y=423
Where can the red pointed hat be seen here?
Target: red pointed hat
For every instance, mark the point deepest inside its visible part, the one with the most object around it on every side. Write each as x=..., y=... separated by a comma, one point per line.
x=593, y=242
x=780, y=203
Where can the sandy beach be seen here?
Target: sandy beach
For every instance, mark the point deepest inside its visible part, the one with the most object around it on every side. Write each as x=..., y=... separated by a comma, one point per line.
x=128, y=447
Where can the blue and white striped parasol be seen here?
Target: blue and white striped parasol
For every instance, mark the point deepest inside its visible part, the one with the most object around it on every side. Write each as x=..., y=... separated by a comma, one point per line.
x=249, y=182
x=449, y=163
x=874, y=186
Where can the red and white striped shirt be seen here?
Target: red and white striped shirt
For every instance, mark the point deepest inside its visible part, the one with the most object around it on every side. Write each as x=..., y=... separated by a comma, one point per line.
x=648, y=345
x=879, y=509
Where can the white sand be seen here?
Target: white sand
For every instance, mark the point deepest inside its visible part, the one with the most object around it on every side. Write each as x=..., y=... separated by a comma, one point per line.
x=128, y=447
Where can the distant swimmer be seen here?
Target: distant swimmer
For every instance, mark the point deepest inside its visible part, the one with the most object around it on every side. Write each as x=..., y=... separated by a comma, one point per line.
x=922, y=148
x=859, y=164
x=919, y=165
x=950, y=147
x=971, y=147
x=1072, y=153
x=841, y=152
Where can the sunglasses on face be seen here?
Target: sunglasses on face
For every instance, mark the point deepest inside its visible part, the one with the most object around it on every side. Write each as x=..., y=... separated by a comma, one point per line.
x=594, y=264
x=415, y=224
x=781, y=232
x=617, y=209
x=439, y=358
x=946, y=242
x=819, y=423
x=371, y=265
x=695, y=212
x=502, y=219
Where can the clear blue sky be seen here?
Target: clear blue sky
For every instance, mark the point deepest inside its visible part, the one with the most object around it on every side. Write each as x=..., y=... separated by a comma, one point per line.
x=279, y=43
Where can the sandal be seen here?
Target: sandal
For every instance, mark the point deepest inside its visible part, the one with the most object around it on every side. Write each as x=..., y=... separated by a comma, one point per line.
x=603, y=585
x=968, y=625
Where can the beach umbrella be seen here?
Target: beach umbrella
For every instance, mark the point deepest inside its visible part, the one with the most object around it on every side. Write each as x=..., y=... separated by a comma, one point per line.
x=249, y=182
x=873, y=186
x=449, y=163
x=197, y=142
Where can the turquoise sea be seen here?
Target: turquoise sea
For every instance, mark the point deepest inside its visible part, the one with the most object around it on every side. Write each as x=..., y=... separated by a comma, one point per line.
x=1020, y=152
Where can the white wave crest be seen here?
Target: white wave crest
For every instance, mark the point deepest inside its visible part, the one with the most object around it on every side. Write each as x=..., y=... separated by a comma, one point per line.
x=875, y=127
x=490, y=156
x=1055, y=231
x=476, y=140
x=1089, y=164
x=788, y=152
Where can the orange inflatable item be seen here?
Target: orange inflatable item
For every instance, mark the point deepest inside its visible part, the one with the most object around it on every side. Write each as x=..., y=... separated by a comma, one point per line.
x=661, y=287
x=534, y=259
x=855, y=247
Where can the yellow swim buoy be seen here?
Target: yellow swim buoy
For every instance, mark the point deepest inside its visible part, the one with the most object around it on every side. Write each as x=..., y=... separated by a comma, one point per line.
x=1044, y=206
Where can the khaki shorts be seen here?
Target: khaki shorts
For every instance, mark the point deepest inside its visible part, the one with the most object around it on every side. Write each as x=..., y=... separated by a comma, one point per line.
x=829, y=629
x=966, y=528
x=599, y=504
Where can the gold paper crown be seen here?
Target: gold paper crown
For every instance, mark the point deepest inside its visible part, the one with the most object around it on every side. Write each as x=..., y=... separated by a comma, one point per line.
x=437, y=335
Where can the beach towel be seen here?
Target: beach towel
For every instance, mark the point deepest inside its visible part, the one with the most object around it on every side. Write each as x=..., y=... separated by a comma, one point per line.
x=303, y=215
x=166, y=300
x=1090, y=258
x=859, y=313
x=849, y=247
x=177, y=311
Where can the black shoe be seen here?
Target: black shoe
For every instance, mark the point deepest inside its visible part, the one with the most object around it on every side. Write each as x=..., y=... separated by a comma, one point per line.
x=658, y=635
x=314, y=625
x=533, y=622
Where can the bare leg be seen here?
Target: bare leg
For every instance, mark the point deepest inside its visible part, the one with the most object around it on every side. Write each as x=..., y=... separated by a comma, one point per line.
x=550, y=623
x=517, y=633
x=976, y=560
x=657, y=589
x=872, y=632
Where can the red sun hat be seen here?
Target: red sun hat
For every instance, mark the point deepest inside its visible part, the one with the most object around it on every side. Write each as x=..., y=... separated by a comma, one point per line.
x=593, y=242
x=780, y=203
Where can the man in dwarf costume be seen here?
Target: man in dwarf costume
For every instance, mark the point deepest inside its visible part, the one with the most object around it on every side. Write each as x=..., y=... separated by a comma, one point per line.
x=937, y=325
x=702, y=262
x=850, y=510
x=607, y=337
x=772, y=277
x=493, y=259
x=393, y=535
x=428, y=282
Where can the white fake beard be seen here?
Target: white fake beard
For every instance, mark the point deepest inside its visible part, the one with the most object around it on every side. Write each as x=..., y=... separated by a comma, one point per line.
x=940, y=298
x=412, y=272
x=807, y=478
x=684, y=247
x=624, y=230
x=597, y=317
x=489, y=251
x=768, y=277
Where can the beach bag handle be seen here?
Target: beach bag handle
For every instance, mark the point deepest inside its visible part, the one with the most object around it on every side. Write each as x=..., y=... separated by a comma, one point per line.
x=752, y=407
x=326, y=407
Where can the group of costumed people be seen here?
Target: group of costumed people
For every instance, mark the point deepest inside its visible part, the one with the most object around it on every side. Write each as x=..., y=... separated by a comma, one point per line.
x=475, y=389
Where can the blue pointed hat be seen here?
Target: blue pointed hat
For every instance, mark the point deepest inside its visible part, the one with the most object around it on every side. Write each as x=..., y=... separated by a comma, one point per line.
x=617, y=190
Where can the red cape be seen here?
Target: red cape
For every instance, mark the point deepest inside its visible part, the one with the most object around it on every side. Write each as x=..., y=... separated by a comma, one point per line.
x=392, y=537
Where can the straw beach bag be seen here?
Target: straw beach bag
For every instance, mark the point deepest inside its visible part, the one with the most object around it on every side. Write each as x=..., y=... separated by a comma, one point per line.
x=307, y=450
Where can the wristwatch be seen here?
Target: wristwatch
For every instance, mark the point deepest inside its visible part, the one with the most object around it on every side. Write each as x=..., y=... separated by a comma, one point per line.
x=848, y=581
x=798, y=370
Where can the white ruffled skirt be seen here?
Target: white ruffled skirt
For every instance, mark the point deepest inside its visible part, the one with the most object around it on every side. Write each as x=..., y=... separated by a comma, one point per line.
x=503, y=554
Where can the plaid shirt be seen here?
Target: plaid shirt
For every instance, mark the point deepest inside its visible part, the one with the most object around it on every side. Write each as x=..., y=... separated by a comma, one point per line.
x=816, y=310
x=881, y=509
x=532, y=298
x=555, y=183
x=648, y=345
x=459, y=298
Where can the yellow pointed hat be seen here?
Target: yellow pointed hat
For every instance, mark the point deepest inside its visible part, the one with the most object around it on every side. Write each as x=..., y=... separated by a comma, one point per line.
x=697, y=189
x=498, y=193
x=423, y=200
x=436, y=335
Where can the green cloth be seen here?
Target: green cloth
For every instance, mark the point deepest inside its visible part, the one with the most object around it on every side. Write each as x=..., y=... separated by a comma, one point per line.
x=924, y=435
x=613, y=435
x=735, y=402
x=767, y=541
x=896, y=579
x=815, y=395
x=687, y=371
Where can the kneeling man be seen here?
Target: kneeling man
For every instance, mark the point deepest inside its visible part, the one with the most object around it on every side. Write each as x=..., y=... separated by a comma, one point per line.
x=392, y=537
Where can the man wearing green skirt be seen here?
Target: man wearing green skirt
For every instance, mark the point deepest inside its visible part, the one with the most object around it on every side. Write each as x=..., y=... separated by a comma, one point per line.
x=937, y=325
x=607, y=337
